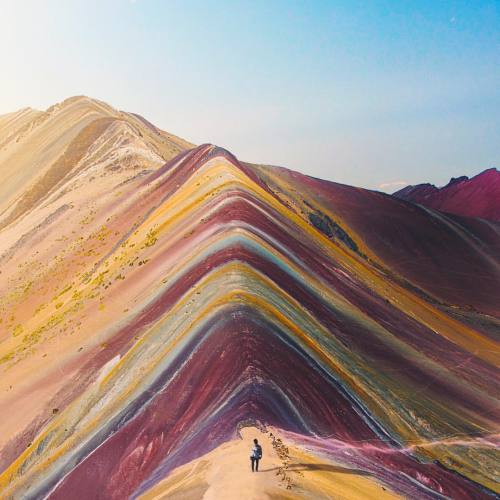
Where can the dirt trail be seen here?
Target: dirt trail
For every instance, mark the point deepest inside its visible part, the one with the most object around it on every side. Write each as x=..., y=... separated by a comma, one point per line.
x=286, y=472
x=231, y=476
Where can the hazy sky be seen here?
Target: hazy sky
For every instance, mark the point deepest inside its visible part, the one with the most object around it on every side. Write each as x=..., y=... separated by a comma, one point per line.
x=362, y=92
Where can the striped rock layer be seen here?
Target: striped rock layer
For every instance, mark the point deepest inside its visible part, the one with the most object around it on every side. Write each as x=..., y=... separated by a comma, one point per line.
x=150, y=314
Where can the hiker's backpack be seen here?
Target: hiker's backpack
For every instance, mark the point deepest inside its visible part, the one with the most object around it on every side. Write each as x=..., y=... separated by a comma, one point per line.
x=259, y=451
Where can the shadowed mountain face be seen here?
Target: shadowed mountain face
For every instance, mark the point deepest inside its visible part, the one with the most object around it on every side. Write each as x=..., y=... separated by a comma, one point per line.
x=476, y=197
x=151, y=309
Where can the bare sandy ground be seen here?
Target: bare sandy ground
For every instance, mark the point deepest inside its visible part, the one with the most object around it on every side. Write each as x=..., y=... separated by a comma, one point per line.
x=286, y=472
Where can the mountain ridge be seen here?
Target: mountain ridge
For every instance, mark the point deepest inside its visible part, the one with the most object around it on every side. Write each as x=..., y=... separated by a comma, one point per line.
x=475, y=197
x=51, y=142
x=146, y=318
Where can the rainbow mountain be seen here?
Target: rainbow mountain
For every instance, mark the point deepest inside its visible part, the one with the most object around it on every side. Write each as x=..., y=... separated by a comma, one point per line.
x=160, y=301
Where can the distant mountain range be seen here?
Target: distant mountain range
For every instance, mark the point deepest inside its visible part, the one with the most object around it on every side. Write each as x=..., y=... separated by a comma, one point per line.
x=158, y=300
x=475, y=197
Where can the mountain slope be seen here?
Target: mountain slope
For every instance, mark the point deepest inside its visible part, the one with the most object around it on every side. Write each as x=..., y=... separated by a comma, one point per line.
x=475, y=197
x=40, y=149
x=148, y=318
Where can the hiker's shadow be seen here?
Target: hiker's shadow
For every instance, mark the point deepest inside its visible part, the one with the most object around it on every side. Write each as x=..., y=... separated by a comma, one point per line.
x=319, y=467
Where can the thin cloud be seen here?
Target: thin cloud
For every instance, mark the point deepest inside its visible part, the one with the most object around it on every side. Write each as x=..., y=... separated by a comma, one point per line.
x=392, y=184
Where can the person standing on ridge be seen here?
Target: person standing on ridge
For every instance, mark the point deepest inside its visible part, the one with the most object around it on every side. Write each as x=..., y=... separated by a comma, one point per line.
x=256, y=455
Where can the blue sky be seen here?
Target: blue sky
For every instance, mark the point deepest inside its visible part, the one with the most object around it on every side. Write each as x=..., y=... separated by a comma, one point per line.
x=367, y=93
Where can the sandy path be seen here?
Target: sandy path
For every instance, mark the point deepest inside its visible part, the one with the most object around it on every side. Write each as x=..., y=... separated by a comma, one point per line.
x=286, y=472
x=231, y=476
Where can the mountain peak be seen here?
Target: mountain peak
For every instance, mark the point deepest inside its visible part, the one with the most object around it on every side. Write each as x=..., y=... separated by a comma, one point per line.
x=41, y=149
x=492, y=172
x=478, y=196
x=456, y=180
